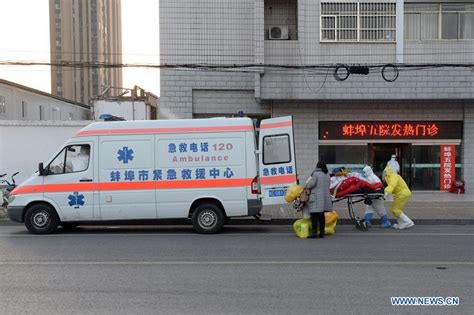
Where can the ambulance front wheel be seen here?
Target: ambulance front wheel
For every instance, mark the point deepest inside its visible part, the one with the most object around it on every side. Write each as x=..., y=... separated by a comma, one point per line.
x=208, y=218
x=41, y=219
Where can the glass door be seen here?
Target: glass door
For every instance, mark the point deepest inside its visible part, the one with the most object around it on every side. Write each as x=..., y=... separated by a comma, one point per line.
x=405, y=162
x=425, y=166
x=381, y=153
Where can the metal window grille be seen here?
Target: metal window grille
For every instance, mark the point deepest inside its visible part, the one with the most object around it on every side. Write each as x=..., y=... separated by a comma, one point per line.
x=377, y=21
x=358, y=21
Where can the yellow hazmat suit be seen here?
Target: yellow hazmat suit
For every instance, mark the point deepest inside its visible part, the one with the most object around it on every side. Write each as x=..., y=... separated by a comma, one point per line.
x=401, y=195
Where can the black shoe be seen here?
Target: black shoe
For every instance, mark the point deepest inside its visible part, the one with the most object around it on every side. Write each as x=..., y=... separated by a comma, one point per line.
x=321, y=235
x=313, y=236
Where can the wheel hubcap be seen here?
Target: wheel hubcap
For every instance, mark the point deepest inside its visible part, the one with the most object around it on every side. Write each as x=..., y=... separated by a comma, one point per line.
x=208, y=219
x=41, y=219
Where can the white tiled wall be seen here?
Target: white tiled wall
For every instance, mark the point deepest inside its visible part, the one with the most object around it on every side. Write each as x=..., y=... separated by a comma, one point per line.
x=232, y=32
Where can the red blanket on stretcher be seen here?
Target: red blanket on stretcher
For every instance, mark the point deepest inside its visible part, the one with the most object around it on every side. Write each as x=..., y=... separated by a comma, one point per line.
x=353, y=184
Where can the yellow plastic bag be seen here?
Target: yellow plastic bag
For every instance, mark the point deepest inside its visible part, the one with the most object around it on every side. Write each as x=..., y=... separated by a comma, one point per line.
x=331, y=221
x=303, y=227
x=293, y=192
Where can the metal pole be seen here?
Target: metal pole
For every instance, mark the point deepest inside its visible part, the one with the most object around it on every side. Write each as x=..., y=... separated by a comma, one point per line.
x=400, y=17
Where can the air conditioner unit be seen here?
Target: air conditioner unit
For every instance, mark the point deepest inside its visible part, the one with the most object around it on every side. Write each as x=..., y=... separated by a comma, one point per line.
x=278, y=32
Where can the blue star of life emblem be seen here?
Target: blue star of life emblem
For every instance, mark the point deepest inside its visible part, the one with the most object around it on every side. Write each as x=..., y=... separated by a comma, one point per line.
x=125, y=155
x=76, y=200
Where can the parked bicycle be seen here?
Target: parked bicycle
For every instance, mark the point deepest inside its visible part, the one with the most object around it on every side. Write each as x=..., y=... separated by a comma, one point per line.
x=7, y=189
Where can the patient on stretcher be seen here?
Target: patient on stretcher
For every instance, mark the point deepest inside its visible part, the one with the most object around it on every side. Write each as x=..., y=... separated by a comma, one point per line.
x=344, y=182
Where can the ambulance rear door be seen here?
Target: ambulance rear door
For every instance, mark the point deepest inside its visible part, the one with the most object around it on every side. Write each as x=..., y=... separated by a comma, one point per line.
x=277, y=159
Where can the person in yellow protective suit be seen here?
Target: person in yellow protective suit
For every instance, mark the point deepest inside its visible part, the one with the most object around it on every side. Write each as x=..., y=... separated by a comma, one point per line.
x=401, y=195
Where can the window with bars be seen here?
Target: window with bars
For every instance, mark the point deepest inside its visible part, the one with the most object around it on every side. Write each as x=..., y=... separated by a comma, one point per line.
x=3, y=106
x=439, y=21
x=41, y=112
x=56, y=113
x=358, y=22
x=24, y=109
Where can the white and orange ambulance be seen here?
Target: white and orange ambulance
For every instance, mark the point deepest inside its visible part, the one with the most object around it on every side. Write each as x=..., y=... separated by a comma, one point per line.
x=208, y=170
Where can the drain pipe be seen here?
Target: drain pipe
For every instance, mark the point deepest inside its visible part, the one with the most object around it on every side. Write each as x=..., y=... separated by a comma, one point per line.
x=400, y=31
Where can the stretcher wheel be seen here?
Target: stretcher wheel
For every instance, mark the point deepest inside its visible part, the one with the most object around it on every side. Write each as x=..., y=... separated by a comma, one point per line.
x=360, y=225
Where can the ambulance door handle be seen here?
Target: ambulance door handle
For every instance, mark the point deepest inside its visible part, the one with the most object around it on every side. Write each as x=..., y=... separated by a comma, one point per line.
x=85, y=180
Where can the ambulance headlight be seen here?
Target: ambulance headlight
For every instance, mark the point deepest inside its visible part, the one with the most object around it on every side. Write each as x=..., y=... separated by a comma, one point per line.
x=11, y=198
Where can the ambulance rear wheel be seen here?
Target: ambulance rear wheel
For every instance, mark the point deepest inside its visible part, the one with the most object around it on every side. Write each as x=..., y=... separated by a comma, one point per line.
x=41, y=219
x=208, y=218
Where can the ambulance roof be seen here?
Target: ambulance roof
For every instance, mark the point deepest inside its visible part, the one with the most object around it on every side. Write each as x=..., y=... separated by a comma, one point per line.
x=167, y=126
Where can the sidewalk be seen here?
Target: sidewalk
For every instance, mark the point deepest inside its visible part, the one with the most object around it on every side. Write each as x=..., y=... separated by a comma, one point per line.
x=423, y=208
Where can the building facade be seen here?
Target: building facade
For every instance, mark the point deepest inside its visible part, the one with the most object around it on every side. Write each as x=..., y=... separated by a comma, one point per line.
x=83, y=32
x=19, y=102
x=131, y=104
x=355, y=107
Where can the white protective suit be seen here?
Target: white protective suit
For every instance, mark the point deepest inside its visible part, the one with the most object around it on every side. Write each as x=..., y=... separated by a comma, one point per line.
x=393, y=164
x=79, y=162
x=377, y=204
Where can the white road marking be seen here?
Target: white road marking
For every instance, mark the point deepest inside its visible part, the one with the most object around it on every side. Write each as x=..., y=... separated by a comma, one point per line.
x=184, y=263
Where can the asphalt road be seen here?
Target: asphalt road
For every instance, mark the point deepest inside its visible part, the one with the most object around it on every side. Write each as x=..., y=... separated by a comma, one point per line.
x=244, y=270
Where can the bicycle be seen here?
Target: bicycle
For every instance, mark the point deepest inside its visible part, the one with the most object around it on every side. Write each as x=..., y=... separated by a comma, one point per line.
x=7, y=189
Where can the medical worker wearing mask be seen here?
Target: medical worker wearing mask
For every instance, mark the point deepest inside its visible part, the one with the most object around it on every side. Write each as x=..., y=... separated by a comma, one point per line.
x=401, y=195
x=393, y=164
x=377, y=204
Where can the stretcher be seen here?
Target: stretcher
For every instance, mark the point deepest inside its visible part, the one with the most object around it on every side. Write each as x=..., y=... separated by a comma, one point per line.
x=353, y=198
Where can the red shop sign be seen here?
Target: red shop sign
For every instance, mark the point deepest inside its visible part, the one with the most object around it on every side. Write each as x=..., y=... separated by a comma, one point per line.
x=447, y=170
x=353, y=130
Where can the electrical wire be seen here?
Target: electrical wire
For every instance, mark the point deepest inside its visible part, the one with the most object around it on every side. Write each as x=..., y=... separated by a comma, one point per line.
x=239, y=55
x=202, y=66
x=305, y=70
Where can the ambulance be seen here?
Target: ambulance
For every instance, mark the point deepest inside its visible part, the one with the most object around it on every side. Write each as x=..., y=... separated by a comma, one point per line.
x=206, y=170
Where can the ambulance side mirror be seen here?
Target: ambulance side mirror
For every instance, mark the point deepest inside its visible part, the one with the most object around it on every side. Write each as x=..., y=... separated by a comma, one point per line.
x=41, y=170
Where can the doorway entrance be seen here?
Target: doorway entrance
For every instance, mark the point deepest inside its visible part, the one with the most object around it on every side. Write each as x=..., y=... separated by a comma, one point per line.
x=380, y=154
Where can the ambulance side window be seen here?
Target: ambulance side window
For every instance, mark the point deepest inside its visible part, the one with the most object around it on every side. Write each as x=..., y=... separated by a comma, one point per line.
x=72, y=159
x=276, y=149
x=57, y=165
x=77, y=158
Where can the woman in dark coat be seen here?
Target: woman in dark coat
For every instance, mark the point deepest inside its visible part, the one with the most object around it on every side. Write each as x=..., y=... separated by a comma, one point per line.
x=319, y=198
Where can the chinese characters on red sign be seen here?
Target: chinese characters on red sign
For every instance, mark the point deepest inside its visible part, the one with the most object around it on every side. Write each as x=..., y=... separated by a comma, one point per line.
x=447, y=167
x=357, y=130
x=390, y=130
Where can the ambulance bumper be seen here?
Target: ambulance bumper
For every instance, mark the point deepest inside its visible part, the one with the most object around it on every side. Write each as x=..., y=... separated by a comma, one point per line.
x=254, y=206
x=15, y=213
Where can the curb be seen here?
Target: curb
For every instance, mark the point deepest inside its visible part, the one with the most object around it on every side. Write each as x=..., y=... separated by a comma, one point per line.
x=251, y=221
x=289, y=221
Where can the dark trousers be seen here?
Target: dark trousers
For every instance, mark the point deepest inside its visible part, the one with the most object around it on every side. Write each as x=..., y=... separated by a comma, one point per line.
x=318, y=218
